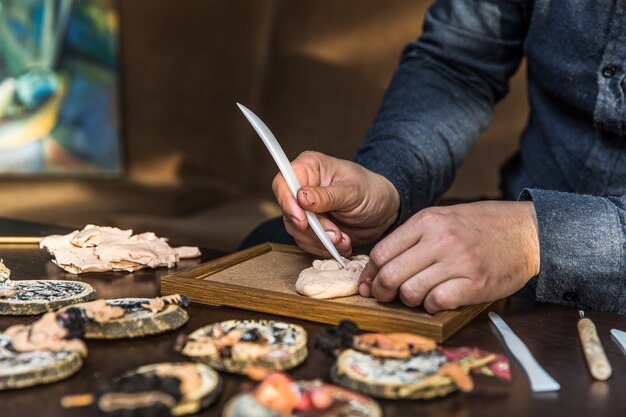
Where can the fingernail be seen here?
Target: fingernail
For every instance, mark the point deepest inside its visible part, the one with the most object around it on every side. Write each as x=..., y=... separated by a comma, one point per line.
x=332, y=235
x=364, y=290
x=308, y=198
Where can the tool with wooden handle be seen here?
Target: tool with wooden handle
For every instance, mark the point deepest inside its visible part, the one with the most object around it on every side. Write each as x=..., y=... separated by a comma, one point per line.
x=598, y=363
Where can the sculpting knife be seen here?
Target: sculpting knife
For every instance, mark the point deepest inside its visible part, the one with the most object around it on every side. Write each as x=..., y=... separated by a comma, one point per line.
x=285, y=168
x=620, y=339
x=540, y=380
x=598, y=363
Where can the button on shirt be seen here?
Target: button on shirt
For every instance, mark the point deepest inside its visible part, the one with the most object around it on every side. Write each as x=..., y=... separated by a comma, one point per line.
x=572, y=157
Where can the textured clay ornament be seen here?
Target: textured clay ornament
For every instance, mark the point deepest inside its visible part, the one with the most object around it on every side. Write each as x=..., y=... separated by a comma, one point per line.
x=327, y=279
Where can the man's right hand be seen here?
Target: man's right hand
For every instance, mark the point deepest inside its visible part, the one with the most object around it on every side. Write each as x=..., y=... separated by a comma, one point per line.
x=358, y=205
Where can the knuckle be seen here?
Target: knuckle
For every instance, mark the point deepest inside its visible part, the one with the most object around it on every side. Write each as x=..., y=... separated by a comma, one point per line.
x=442, y=300
x=378, y=255
x=276, y=183
x=429, y=214
x=308, y=156
x=327, y=195
x=291, y=230
x=386, y=279
x=409, y=295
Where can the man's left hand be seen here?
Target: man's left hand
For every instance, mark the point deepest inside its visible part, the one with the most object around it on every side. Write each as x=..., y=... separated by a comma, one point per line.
x=447, y=257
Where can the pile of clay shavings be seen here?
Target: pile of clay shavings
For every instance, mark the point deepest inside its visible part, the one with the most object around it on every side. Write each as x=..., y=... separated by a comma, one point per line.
x=99, y=249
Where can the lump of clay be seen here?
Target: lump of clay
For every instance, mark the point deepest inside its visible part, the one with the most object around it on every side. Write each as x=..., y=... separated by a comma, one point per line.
x=327, y=279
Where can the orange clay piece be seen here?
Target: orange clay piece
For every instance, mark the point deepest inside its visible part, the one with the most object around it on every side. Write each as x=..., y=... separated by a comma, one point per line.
x=257, y=373
x=393, y=345
x=458, y=375
x=277, y=393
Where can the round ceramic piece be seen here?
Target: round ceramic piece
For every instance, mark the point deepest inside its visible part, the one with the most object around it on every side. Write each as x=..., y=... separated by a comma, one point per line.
x=392, y=378
x=137, y=321
x=38, y=296
x=150, y=389
x=25, y=369
x=269, y=344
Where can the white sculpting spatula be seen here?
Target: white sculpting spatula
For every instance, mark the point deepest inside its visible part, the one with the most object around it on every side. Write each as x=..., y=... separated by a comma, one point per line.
x=284, y=165
x=540, y=380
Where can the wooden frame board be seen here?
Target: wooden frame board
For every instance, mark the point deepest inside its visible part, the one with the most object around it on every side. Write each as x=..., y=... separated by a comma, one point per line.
x=262, y=278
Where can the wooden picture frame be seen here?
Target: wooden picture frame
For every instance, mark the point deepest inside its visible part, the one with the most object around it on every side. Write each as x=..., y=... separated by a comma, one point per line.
x=262, y=278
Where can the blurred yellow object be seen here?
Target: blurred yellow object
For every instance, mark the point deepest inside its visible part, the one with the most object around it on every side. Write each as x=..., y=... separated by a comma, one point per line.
x=35, y=126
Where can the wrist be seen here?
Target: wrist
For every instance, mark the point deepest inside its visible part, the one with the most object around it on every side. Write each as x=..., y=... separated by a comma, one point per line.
x=391, y=202
x=531, y=241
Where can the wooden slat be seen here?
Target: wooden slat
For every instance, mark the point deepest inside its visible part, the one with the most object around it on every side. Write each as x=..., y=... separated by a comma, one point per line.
x=246, y=280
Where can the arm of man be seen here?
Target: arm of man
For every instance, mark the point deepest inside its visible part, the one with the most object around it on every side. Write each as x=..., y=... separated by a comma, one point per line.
x=483, y=251
x=442, y=96
x=440, y=100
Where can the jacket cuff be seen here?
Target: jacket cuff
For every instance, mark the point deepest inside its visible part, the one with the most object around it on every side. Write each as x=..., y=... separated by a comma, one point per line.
x=582, y=249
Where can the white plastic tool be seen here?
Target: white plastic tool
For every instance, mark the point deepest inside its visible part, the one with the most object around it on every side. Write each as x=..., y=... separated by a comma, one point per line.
x=290, y=176
x=620, y=338
x=540, y=380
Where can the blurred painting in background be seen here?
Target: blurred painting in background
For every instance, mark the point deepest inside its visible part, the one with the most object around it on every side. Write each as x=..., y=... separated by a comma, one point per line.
x=59, y=110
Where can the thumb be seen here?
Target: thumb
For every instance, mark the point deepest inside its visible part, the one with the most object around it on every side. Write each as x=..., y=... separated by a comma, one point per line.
x=334, y=197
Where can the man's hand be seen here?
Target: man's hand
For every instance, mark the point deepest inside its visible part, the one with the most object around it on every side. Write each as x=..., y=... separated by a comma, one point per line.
x=447, y=257
x=360, y=205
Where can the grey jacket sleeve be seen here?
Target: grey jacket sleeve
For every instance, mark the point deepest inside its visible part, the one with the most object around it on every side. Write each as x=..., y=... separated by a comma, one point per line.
x=442, y=95
x=582, y=242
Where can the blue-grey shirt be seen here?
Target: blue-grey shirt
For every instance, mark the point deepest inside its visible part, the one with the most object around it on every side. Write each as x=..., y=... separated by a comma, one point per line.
x=572, y=156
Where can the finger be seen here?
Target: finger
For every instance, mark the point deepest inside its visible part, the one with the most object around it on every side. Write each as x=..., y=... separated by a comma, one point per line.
x=320, y=250
x=344, y=247
x=365, y=289
x=341, y=196
x=340, y=240
x=287, y=202
x=293, y=230
x=414, y=290
x=316, y=250
x=449, y=295
x=400, y=240
x=367, y=276
x=404, y=237
x=334, y=232
x=396, y=272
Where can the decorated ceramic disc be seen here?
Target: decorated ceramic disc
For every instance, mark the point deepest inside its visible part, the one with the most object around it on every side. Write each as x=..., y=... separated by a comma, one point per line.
x=136, y=321
x=246, y=405
x=168, y=388
x=24, y=369
x=390, y=377
x=234, y=344
x=26, y=297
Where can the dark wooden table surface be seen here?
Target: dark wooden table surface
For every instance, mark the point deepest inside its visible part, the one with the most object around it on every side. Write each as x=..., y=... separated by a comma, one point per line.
x=548, y=330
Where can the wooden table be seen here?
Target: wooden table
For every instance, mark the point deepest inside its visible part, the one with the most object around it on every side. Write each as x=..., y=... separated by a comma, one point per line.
x=548, y=330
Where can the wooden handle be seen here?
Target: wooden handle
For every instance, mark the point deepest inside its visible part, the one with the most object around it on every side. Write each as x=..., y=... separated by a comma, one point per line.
x=77, y=400
x=599, y=365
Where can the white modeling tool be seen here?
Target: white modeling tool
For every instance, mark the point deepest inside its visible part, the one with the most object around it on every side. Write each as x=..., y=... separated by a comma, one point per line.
x=620, y=338
x=290, y=176
x=540, y=380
